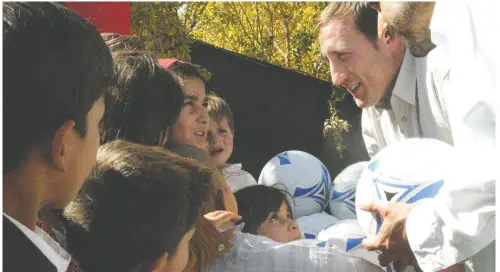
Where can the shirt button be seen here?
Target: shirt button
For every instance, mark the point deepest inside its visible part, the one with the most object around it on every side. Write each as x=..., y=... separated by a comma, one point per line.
x=220, y=248
x=403, y=119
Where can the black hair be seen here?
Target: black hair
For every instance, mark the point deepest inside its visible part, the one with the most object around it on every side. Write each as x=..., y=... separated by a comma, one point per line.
x=117, y=42
x=255, y=203
x=146, y=102
x=137, y=204
x=56, y=66
x=184, y=70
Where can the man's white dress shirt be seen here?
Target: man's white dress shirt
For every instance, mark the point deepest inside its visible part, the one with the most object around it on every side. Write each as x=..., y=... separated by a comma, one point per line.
x=417, y=106
x=460, y=223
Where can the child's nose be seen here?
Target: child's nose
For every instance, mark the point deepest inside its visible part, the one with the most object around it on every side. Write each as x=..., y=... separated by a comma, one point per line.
x=202, y=115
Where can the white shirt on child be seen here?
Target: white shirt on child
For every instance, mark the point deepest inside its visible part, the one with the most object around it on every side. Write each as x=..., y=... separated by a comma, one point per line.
x=237, y=178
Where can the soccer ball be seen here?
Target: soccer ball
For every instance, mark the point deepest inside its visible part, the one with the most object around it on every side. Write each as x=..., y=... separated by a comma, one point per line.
x=343, y=194
x=411, y=171
x=303, y=176
x=347, y=236
x=312, y=224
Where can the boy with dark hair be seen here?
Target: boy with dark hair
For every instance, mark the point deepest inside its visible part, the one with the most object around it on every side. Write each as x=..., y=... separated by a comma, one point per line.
x=57, y=68
x=220, y=143
x=137, y=210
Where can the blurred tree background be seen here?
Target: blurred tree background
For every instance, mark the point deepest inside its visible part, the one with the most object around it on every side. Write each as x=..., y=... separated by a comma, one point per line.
x=280, y=33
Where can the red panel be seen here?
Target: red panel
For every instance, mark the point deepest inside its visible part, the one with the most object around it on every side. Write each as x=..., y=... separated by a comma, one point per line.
x=105, y=16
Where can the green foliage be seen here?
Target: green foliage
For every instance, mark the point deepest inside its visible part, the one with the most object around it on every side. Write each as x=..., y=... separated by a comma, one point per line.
x=281, y=33
x=335, y=124
x=159, y=26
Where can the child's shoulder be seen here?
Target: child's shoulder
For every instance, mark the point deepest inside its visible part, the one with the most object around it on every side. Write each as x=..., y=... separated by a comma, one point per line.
x=236, y=177
x=235, y=169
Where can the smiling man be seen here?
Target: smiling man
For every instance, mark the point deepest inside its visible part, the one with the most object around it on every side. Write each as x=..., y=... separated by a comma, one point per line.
x=397, y=92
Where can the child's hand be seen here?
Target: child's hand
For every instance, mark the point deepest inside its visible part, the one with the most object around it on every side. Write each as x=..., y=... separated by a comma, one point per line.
x=223, y=219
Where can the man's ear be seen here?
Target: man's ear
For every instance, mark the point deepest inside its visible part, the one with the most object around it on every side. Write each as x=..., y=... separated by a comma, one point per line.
x=60, y=145
x=385, y=32
x=160, y=263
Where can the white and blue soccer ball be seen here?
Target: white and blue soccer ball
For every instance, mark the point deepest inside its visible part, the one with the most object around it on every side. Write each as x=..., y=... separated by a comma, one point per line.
x=311, y=225
x=411, y=171
x=303, y=176
x=342, y=201
x=347, y=235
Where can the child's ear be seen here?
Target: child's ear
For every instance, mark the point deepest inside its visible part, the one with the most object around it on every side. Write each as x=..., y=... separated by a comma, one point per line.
x=61, y=143
x=160, y=263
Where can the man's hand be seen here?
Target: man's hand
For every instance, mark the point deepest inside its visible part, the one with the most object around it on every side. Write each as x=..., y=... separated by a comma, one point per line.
x=391, y=239
x=223, y=219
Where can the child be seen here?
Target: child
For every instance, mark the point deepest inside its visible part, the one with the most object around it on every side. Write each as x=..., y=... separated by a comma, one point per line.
x=267, y=212
x=272, y=242
x=192, y=124
x=145, y=103
x=220, y=144
x=57, y=71
x=137, y=210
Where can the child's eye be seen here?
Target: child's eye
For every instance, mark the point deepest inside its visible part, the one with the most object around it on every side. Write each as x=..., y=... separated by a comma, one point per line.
x=222, y=131
x=188, y=103
x=289, y=215
x=205, y=104
x=273, y=217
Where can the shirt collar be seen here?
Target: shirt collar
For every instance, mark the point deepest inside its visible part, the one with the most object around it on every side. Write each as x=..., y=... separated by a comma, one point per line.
x=50, y=248
x=406, y=83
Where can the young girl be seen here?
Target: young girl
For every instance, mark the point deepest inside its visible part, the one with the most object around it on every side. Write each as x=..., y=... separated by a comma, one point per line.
x=192, y=125
x=191, y=128
x=266, y=211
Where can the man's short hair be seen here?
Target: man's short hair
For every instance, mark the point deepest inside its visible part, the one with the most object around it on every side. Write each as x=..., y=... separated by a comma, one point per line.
x=363, y=13
x=137, y=204
x=145, y=103
x=218, y=109
x=56, y=66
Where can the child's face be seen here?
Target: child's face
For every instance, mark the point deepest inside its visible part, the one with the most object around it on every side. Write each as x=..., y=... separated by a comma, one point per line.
x=280, y=226
x=220, y=141
x=178, y=261
x=192, y=125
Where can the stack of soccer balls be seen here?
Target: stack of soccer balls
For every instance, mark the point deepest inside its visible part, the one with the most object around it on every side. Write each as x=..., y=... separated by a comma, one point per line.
x=410, y=171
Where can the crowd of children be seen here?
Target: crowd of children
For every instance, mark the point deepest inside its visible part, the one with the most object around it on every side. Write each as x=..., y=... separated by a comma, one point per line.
x=117, y=161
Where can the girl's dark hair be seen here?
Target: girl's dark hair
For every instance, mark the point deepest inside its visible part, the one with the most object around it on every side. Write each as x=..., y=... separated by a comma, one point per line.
x=146, y=102
x=117, y=42
x=137, y=203
x=183, y=70
x=255, y=203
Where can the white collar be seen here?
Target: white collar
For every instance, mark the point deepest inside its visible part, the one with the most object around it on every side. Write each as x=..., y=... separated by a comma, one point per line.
x=236, y=166
x=406, y=83
x=50, y=248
